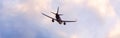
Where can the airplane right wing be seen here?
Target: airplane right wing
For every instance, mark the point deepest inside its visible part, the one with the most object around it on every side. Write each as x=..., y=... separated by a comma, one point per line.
x=69, y=21
x=48, y=16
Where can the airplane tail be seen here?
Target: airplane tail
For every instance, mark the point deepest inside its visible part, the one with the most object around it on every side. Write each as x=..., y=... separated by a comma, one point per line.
x=57, y=10
x=53, y=13
x=56, y=13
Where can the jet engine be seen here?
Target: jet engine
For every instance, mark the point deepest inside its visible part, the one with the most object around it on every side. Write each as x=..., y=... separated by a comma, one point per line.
x=52, y=20
x=64, y=23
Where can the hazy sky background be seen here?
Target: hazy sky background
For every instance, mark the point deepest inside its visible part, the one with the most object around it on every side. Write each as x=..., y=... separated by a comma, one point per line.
x=95, y=19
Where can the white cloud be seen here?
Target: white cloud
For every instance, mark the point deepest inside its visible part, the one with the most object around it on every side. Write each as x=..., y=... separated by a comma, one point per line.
x=31, y=9
x=115, y=30
x=109, y=16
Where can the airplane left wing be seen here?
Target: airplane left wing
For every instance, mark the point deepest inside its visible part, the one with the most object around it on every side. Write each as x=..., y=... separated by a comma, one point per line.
x=48, y=16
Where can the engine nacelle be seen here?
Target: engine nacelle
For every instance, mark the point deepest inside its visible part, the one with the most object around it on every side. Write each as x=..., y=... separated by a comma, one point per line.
x=52, y=20
x=64, y=23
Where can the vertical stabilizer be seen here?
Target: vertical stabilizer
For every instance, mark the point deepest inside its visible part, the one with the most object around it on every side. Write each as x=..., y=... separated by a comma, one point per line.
x=57, y=10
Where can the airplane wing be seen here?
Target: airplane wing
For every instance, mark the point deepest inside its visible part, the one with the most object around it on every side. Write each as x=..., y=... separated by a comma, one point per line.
x=48, y=16
x=69, y=21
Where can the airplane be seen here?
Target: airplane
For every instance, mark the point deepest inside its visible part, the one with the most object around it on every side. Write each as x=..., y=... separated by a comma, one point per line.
x=58, y=18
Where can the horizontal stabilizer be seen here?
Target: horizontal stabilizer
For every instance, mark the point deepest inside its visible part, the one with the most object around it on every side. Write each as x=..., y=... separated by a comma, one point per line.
x=53, y=12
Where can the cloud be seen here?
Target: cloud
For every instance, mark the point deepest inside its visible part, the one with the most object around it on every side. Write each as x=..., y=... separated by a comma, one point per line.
x=22, y=18
x=74, y=1
x=74, y=36
x=115, y=31
x=108, y=14
x=19, y=19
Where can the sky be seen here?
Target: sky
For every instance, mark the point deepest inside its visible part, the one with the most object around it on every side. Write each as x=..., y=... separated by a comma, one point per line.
x=95, y=19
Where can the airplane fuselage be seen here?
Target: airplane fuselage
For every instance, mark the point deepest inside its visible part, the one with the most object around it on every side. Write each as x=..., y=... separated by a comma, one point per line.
x=58, y=19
